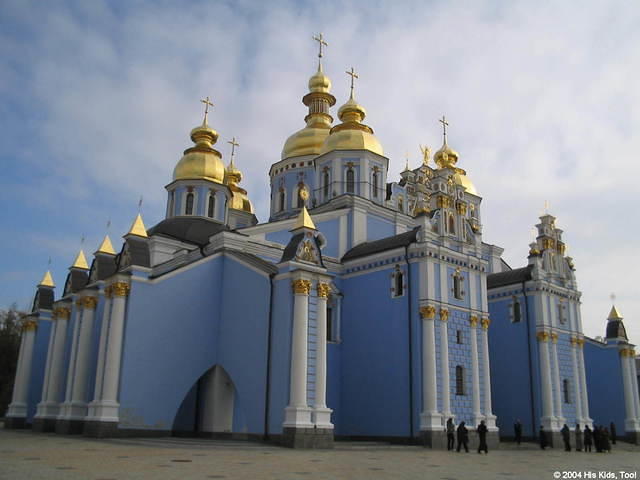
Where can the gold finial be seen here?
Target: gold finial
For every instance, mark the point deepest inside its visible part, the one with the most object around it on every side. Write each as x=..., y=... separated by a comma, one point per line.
x=80, y=261
x=46, y=281
x=304, y=220
x=352, y=73
x=207, y=104
x=320, y=39
x=138, y=228
x=234, y=144
x=546, y=207
x=445, y=124
x=426, y=154
x=106, y=246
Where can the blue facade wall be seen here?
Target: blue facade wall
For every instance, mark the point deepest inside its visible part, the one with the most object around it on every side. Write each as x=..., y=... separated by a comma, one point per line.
x=38, y=364
x=331, y=230
x=378, y=228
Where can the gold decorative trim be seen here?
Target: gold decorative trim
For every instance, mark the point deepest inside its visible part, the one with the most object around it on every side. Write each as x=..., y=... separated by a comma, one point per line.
x=542, y=336
x=30, y=325
x=573, y=341
x=301, y=286
x=580, y=342
x=79, y=303
x=554, y=337
x=624, y=352
x=62, y=312
x=90, y=302
x=444, y=315
x=120, y=289
x=473, y=321
x=461, y=208
x=108, y=291
x=485, y=322
x=428, y=311
x=324, y=290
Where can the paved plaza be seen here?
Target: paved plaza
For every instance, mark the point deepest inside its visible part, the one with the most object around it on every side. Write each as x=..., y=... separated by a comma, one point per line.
x=27, y=455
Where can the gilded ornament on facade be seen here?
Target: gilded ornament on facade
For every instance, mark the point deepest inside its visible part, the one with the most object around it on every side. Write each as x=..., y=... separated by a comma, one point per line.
x=323, y=290
x=461, y=208
x=542, y=336
x=301, y=286
x=428, y=311
x=473, y=320
x=444, y=314
x=108, y=291
x=79, y=303
x=580, y=342
x=29, y=325
x=554, y=337
x=62, y=312
x=573, y=341
x=485, y=322
x=548, y=243
x=307, y=252
x=90, y=302
x=120, y=289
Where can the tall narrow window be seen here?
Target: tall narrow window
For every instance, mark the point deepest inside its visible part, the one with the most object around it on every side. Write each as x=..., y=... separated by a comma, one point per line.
x=459, y=380
x=561, y=318
x=565, y=391
x=325, y=181
x=452, y=225
x=329, y=324
x=189, y=205
x=281, y=200
x=457, y=287
x=212, y=206
x=350, y=180
x=375, y=184
x=172, y=199
x=399, y=284
x=400, y=205
x=517, y=313
x=459, y=337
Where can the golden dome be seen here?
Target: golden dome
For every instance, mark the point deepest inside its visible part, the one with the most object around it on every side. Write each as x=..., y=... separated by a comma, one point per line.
x=351, y=134
x=307, y=141
x=239, y=199
x=461, y=178
x=446, y=156
x=319, y=82
x=201, y=161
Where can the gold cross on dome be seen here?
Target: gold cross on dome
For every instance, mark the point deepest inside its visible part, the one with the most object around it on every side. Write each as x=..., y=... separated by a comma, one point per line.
x=207, y=104
x=445, y=124
x=234, y=144
x=613, y=298
x=320, y=39
x=352, y=73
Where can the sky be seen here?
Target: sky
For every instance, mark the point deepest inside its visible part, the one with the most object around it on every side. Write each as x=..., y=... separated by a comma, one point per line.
x=97, y=99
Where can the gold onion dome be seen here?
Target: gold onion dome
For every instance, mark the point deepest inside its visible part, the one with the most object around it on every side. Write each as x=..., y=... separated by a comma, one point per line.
x=309, y=140
x=201, y=161
x=446, y=156
x=239, y=197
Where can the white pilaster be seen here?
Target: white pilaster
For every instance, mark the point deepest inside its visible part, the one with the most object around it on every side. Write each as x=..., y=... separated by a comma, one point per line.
x=475, y=371
x=556, y=380
x=576, y=382
x=18, y=406
x=490, y=418
x=298, y=413
x=40, y=411
x=548, y=419
x=444, y=287
x=630, y=420
x=321, y=414
x=444, y=362
x=634, y=380
x=102, y=349
x=586, y=419
x=66, y=403
x=430, y=419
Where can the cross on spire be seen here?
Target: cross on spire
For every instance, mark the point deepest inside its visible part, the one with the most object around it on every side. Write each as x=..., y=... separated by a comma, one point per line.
x=234, y=144
x=613, y=297
x=320, y=39
x=352, y=73
x=140, y=203
x=445, y=124
x=207, y=104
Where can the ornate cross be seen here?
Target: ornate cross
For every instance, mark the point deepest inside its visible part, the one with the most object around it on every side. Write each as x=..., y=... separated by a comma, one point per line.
x=234, y=144
x=445, y=124
x=207, y=104
x=140, y=202
x=353, y=75
x=320, y=39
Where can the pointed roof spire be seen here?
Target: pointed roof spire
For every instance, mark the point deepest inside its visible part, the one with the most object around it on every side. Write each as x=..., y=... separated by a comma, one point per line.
x=106, y=246
x=80, y=261
x=614, y=314
x=304, y=220
x=47, y=281
x=137, y=228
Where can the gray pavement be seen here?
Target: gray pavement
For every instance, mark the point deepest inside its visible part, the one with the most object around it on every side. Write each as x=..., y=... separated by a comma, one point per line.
x=27, y=455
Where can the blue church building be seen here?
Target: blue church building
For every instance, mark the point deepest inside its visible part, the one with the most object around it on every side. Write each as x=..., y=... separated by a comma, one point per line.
x=364, y=308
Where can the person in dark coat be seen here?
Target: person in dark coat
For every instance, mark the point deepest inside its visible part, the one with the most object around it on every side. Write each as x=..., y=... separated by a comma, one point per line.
x=543, y=438
x=597, y=438
x=578, y=438
x=612, y=427
x=482, y=434
x=463, y=437
x=517, y=428
x=606, y=443
x=588, y=438
x=566, y=438
x=451, y=430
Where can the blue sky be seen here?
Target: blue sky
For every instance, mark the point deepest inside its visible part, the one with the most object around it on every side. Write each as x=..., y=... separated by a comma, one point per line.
x=97, y=99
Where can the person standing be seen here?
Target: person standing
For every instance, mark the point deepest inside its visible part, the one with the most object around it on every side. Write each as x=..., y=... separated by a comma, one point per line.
x=543, y=438
x=566, y=438
x=517, y=428
x=612, y=427
x=482, y=434
x=463, y=437
x=578, y=438
x=606, y=444
x=451, y=430
x=597, y=438
x=588, y=438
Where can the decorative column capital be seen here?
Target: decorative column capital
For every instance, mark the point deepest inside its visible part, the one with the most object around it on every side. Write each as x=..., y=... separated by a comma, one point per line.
x=473, y=321
x=79, y=303
x=428, y=312
x=28, y=325
x=573, y=341
x=542, y=336
x=62, y=312
x=108, y=291
x=89, y=303
x=554, y=337
x=301, y=286
x=580, y=342
x=444, y=315
x=626, y=352
x=120, y=289
x=485, y=322
x=323, y=290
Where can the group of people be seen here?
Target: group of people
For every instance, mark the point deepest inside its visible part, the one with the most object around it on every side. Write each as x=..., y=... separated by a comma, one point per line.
x=461, y=434
x=600, y=437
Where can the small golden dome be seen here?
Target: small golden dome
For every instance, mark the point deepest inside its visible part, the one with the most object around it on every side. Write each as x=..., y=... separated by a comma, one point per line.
x=319, y=82
x=446, y=156
x=352, y=111
x=461, y=178
x=307, y=141
x=201, y=161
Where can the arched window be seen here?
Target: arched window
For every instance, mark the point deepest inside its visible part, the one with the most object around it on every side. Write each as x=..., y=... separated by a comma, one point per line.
x=457, y=286
x=300, y=203
x=375, y=184
x=350, y=181
x=325, y=183
x=211, y=208
x=399, y=286
x=459, y=337
x=281, y=200
x=565, y=390
x=452, y=225
x=189, y=204
x=459, y=380
x=561, y=318
x=517, y=313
